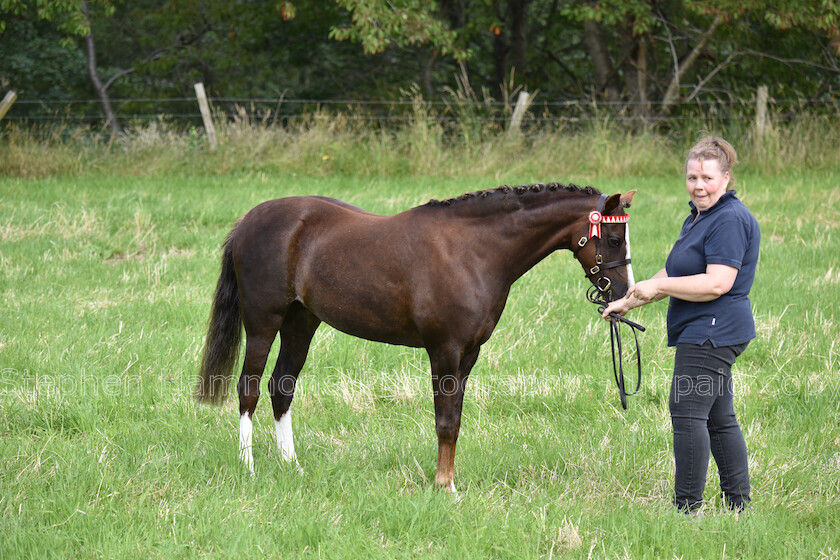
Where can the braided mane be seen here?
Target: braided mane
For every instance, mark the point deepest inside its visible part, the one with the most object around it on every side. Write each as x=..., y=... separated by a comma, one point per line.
x=520, y=189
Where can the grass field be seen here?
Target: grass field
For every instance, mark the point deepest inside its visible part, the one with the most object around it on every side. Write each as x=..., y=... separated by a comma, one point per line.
x=106, y=286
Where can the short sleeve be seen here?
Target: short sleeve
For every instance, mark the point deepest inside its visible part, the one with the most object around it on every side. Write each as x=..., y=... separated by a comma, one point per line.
x=726, y=242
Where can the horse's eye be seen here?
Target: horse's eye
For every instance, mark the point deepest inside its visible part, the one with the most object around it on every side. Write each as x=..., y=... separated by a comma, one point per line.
x=614, y=241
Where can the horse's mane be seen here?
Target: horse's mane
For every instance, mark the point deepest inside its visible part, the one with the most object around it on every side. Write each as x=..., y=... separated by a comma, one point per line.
x=519, y=190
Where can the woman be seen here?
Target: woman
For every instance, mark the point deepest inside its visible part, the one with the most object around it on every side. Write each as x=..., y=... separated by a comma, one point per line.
x=708, y=276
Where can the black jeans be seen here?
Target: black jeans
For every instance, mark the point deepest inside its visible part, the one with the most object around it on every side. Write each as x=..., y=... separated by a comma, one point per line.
x=703, y=418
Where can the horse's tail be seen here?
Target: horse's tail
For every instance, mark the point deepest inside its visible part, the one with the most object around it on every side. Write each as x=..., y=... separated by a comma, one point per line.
x=224, y=333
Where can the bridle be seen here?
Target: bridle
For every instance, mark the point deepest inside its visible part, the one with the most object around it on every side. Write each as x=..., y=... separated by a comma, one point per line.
x=600, y=294
x=596, y=218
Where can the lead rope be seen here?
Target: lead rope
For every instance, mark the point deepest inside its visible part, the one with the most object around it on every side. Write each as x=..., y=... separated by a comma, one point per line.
x=596, y=296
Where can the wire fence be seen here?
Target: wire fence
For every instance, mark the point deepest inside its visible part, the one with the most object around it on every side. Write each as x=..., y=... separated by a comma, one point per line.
x=182, y=113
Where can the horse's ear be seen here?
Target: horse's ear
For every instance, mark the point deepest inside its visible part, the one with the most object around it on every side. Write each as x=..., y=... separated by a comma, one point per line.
x=627, y=198
x=612, y=203
x=618, y=199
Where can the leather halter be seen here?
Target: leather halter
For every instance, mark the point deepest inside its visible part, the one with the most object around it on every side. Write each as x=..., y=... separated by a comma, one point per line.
x=596, y=218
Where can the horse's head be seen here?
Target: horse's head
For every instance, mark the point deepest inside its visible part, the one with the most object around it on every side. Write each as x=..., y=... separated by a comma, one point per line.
x=603, y=249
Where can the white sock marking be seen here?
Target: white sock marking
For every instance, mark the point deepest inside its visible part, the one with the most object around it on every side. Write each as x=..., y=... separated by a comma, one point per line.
x=246, y=441
x=285, y=439
x=631, y=281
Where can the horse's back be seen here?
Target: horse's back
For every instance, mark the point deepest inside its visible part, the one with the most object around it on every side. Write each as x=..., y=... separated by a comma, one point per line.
x=339, y=203
x=271, y=220
x=292, y=207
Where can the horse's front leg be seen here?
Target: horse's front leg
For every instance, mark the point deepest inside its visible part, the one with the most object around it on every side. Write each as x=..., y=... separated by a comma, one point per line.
x=450, y=371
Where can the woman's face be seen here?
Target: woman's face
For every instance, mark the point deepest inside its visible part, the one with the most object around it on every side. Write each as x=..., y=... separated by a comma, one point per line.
x=704, y=182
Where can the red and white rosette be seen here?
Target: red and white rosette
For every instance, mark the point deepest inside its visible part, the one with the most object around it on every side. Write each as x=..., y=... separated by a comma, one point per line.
x=595, y=219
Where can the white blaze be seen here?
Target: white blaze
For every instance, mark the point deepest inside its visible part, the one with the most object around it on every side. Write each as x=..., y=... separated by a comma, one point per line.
x=631, y=281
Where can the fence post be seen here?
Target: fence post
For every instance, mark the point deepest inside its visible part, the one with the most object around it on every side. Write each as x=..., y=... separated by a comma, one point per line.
x=205, y=115
x=7, y=103
x=518, y=112
x=761, y=112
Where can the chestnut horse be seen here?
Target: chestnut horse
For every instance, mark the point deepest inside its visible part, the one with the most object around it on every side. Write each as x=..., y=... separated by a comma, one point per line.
x=436, y=276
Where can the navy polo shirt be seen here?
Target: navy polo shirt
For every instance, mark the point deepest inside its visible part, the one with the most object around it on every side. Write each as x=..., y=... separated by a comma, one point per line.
x=727, y=233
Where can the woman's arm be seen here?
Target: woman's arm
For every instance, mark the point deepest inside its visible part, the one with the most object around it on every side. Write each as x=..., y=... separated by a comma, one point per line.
x=716, y=281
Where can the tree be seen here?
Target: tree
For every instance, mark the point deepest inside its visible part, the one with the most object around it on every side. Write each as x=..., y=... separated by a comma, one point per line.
x=99, y=87
x=67, y=14
x=377, y=25
x=655, y=55
x=673, y=50
x=73, y=17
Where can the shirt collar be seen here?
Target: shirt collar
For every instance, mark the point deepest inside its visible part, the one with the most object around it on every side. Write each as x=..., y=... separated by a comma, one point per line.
x=726, y=197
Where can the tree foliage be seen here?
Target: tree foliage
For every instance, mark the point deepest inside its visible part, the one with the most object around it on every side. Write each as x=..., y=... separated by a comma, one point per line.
x=650, y=54
x=68, y=15
x=403, y=23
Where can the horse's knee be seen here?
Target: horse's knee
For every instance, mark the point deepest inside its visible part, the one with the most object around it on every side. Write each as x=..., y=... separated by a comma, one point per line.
x=447, y=428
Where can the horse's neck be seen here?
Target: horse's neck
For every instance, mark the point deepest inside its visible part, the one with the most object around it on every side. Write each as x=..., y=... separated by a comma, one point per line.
x=520, y=238
x=544, y=228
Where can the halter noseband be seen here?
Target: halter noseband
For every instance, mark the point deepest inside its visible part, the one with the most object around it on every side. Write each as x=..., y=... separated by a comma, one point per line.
x=596, y=218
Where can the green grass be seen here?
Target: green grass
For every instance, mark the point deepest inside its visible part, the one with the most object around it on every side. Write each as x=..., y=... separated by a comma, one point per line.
x=106, y=285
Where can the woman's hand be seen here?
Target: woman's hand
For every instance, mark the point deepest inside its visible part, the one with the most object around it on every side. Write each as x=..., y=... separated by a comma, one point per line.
x=639, y=294
x=621, y=306
x=647, y=290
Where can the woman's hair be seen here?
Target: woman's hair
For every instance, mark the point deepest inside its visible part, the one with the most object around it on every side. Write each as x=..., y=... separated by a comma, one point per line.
x=713, y=147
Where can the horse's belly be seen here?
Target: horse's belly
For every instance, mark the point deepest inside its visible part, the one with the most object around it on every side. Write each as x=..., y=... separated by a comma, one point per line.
x=373, y=311
x=381, y=335
x=382, y=328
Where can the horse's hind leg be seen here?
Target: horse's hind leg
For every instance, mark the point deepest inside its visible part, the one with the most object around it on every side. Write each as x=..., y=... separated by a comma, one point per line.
x=295, y=336
x=257, y=346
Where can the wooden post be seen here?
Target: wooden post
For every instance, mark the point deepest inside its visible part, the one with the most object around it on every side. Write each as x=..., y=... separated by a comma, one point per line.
x=7, y=103
x=205, y=115
x=761, y=120
x=518, y=112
